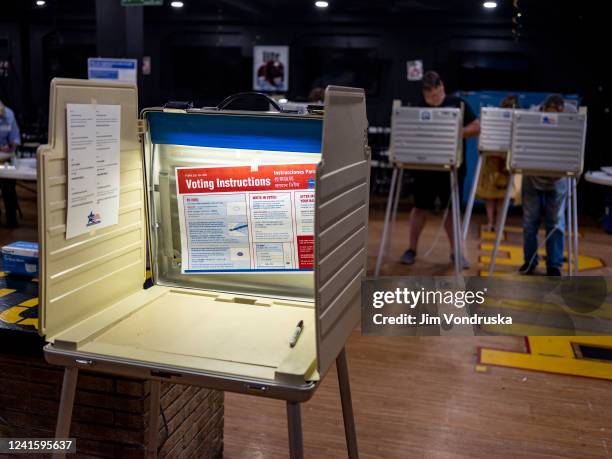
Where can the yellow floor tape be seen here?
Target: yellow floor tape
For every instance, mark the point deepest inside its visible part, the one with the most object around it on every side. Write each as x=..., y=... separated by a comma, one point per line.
x=553, y=354
x=512, y=255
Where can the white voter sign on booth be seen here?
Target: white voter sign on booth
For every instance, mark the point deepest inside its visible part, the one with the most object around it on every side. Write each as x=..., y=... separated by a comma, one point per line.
x=93, y=167
x=123, y=70
x=494, y=140
x=268, y=326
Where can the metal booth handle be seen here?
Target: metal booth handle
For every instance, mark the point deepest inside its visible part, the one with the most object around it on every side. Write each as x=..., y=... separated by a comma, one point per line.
x=243, y=95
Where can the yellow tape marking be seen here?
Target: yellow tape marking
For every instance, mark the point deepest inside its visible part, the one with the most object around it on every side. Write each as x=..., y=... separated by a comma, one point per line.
x=12, y=315
x=29, y=303
x=6, y=291
x=567, y=366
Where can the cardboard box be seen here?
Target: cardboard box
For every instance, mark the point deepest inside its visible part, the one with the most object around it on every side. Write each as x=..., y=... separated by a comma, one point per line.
x=21, y=258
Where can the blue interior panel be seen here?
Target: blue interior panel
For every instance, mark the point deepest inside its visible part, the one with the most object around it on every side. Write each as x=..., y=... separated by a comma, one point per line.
x=270, y=133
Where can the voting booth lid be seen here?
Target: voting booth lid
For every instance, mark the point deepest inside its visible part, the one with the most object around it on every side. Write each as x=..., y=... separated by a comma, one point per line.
x=426, y=138
x=495, y=129
x=92, y=298
x=546, y=143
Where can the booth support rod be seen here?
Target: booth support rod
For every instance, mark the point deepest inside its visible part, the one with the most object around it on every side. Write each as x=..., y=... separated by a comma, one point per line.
x=383, y=241
x=294, y=424
x=575, y=221
x=64, y=417
x=154, y=407
x=398, y=191
x=456, y=222
x=569, y=227
x=502, y=224
x=347, y=405
x=472, y=198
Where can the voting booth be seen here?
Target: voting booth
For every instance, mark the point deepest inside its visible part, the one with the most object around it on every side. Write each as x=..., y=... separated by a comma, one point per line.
x=255, y=224
x=547, y=144
x=425, y=139
x=494, y=140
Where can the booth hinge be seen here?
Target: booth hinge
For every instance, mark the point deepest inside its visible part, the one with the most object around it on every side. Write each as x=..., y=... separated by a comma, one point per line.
x=177, y=106
x=142, y=127
x=315, y=109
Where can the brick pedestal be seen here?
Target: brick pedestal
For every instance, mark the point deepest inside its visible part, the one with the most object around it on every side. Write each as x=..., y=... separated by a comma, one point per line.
x=110, y=416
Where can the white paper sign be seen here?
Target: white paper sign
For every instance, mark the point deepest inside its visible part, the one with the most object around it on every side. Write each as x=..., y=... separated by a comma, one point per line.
x=241, y=218
x=94, y=133
x=414, y=70
x=271, y=68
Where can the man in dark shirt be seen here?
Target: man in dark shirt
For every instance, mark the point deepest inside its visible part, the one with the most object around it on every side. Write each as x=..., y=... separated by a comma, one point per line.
x=429, y=185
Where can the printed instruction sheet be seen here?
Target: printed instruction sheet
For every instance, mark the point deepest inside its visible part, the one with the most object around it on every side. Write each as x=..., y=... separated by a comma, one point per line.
x=246, y=218
x=94, y=133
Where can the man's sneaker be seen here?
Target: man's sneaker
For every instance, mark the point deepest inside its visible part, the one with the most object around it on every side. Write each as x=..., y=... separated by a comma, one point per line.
x=409, y=257
x=527, y=268
x=553, y=271
x=464, y=263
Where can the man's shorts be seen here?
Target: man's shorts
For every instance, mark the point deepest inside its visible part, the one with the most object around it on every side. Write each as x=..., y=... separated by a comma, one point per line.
x=431, y=185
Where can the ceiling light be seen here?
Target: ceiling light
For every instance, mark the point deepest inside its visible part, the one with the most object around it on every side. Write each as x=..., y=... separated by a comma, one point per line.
x=321, y=4
x=41, y=2
x=490, y=5
x=177, y=4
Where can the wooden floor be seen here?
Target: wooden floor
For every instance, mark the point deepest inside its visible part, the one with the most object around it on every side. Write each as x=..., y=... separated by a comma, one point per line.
x=421, y=397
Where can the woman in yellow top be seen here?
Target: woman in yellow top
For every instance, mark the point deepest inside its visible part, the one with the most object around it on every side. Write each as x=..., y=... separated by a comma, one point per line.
x=494, y=178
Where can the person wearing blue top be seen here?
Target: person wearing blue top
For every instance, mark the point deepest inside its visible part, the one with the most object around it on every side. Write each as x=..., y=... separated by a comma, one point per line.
x=9, y=140
x=9, y=130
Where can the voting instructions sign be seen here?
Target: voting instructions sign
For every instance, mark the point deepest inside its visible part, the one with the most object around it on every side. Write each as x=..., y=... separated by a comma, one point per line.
x=246, y=218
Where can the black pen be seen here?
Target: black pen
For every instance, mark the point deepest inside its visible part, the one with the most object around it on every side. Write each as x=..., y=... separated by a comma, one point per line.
x=296, y=333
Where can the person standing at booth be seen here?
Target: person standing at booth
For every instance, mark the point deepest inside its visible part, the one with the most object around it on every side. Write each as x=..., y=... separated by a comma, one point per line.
x=432, y=185
x=544, y=195
x=493, y=180
x=9, y=140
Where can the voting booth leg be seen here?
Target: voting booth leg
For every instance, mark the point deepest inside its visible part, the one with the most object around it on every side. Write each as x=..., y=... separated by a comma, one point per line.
x=347, y=405
x=294, y=423
x=502, y=224
x=398, y=191
x=569, y=227
x=457, y=253
x=154, y=406
x=574, y=181
x=471, y=199
x=383, y=240
x=64, y=416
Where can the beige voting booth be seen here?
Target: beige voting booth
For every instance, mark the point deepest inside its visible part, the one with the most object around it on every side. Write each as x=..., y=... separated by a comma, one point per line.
x=228, y=331
x=551, y=145
x=424, y=138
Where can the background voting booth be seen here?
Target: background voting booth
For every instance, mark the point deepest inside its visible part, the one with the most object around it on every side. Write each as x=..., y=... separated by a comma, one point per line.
x=426, y=139
x=256, y=224
x=547, y=144
x=494, y=140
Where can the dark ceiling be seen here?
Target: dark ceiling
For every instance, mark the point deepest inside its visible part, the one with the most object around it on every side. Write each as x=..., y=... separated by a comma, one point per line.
x=535, y=13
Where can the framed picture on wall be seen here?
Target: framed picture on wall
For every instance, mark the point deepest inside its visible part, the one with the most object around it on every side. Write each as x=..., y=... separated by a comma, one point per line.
x=271, y=68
